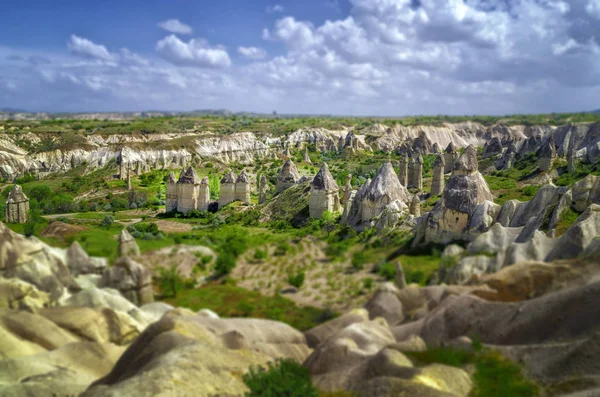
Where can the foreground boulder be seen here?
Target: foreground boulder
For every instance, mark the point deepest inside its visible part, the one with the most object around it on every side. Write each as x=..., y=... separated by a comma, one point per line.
x=131, y=279
x=194, y=355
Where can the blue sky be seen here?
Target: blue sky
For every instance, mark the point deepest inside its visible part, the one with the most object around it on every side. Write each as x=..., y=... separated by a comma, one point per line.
x=354, y=57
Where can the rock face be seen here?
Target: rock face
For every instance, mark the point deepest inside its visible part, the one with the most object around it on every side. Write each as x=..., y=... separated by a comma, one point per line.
x=416, y=174
x=263, y=189
x=204, y=195
x=131, y=279
x=205, y=355
x=306, y=157
x=450, y=156
x=324, y=193
x=415, y=206
x=17, y=206
x=127, y=244
x=171, y=204
x=227, y=189
x=403, y=172
x=242, y=188
x=288, y=176
x=437, y=184
x=79, y=262
x=188, y=188
x=547, y=154
x=346, y=191
x=461, y=207
x=382, y=191
x=492, y=148
x=508, y=158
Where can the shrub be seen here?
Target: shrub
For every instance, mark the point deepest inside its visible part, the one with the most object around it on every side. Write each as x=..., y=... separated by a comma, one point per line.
x=387, y=270
x=368, y=283
x=282, y=249
x=29, y=229
x=283, y=378
x=259, y=254
x=107, y=221
x=170, y=282
x=296, y=280
x=359, y=259
x=225, y=263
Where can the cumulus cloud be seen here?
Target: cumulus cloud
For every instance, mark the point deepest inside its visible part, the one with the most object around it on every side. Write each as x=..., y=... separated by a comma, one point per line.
x=196, y=52
x=175, y=26
x=275, y=8
x=87, y=48
x=389, y=57
x=252, y=52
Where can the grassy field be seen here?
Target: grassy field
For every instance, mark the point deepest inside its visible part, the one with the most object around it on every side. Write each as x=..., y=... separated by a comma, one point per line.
x=231, y=301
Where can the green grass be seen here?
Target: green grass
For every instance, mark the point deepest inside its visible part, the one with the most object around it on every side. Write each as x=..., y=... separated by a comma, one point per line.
x=232, y=301
x=495, y=376
x=567, y=218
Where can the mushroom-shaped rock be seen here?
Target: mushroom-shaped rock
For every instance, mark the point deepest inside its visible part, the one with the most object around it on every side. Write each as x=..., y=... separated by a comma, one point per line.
x=384, y=189
x=263, y=189
x=323, y=193
x=17, y=206
x=242, y=188
x=227, y=189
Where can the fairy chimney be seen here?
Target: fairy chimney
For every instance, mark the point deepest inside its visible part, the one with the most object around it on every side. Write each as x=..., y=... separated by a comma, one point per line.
x=547, y=154
x=127, y=245
x=17, y=206
x=242, y=188
x=323, y=193
x=450, y=156
x=262, y=190
x=437, y=184
x=188, y=188
x=346, y=191
x=171, y=193
x=204, y=195
x=416, y=175
x=415, y=206
x=227, y=191
x=403, y=174
x=288, y=176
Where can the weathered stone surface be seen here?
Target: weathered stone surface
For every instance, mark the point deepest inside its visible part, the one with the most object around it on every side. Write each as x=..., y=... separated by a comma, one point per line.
x=346, y=191
x=171, y=203
x=385, y=303
x=585, y=192
x=131, y=279
x=227, y=189
x=16, y=294
x=415, y=206
x=242, y=188
x=383, y=190
x=416, y=173
x=547, y=154
x=321, y=333
x=437, y=183
x=193, y=349
x=79, y=262
x=288, y=176
x=188, y=189
x=263, y=189
x=450, y=156
x=324, y=193
x=403, y=173
x=17, y=206
x=127, y=244
x=492, y=148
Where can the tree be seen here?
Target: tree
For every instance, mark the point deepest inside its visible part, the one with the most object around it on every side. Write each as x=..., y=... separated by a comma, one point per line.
x=225, y=263
x=170, y=282
x=107, y=221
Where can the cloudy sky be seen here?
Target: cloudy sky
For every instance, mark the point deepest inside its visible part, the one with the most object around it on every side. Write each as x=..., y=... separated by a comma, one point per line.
x=351, y=57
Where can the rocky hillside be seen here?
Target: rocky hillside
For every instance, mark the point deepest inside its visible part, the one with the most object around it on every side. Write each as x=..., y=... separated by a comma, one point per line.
x=40, y=151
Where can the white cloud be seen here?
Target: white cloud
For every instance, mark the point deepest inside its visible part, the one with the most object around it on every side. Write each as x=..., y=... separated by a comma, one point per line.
x=87, y=48
x=196, y=52
x=593, y=8
x=133, y=58
x=175, y=26
x=275, y=8
x=252, y=52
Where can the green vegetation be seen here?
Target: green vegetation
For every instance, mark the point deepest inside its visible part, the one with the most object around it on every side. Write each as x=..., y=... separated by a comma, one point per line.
x=283, y=378
x=232, y=301
x=567, y=218
x=296, y=280
x=495, y=376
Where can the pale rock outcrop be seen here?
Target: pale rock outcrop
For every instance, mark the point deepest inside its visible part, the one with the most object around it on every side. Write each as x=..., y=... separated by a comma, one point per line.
x=288, y=176
x=317, y=335
x=416, y=174
x=385, y=303
x=306, y=157
x=204, y=195
x=263, y=190
x=323, y=193
x=382, y=191
x=192, y=349
x=492, y=148
x=415, y=206
x=346, y=191
x=547, y=154
x=452, y=216
x=450, y=156
x=79, y=262
x=437, y=183
x=32, y=261
x=127, y=244
x=227, y=189
x=131, y=279
x=171, y=204
x=242, y=188
x=17, y=206
x=585, y=192
x=403, y=172
x=392, y=215
x=508, y=158
x=188, y=189
x=16, y=294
